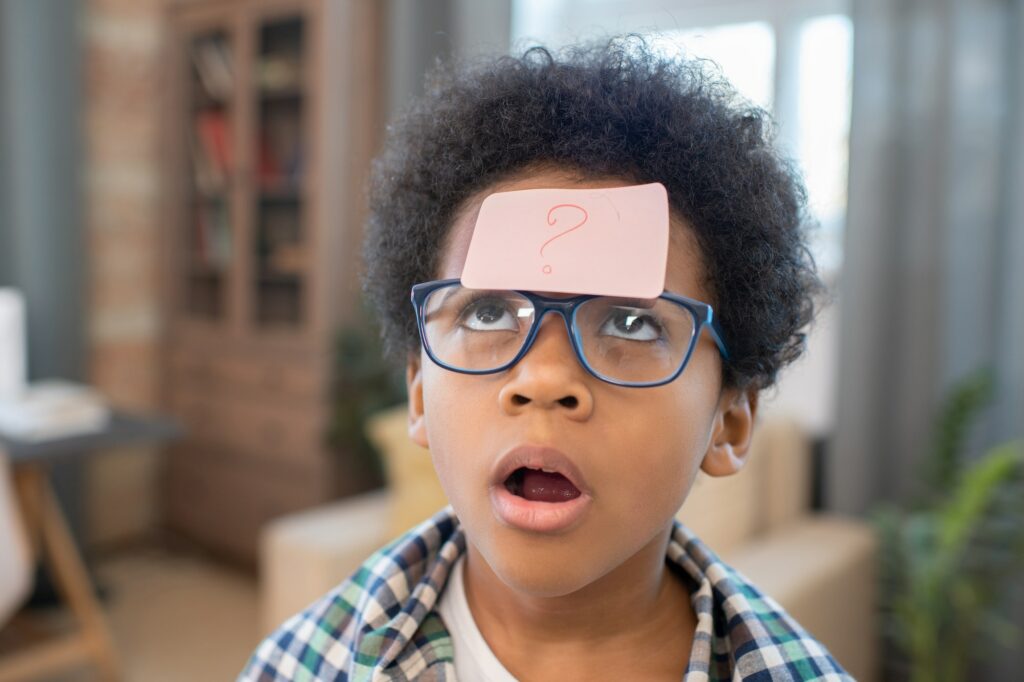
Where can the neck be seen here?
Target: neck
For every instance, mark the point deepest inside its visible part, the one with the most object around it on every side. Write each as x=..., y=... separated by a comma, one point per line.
x=639, y=597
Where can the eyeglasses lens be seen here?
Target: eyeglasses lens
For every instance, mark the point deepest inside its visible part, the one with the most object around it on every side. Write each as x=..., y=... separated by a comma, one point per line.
x=626, y=340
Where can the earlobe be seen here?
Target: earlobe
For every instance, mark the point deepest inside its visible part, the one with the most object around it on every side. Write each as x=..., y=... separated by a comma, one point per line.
x=731, y=434
x=414, y=386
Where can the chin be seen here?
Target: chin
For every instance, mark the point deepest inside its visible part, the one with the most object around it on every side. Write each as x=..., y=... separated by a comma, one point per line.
x=541, y=570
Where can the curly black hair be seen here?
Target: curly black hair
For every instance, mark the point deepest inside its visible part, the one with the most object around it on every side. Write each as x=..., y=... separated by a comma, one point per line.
x=614, y=109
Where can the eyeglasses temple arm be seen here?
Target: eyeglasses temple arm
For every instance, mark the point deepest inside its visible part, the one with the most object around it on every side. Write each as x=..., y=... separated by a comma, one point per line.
x=716, y=334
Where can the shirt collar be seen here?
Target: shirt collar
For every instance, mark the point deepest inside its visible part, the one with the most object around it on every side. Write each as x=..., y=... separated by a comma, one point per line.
x=423, y=562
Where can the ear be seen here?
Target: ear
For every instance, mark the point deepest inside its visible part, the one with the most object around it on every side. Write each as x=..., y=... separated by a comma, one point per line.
x=414, y=386
x=732, y=431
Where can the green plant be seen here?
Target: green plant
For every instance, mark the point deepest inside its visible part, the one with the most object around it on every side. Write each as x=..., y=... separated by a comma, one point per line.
x=946, y=560
x=363, y=383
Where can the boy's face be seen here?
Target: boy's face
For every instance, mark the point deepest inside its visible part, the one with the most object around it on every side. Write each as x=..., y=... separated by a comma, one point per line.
x=638, y=449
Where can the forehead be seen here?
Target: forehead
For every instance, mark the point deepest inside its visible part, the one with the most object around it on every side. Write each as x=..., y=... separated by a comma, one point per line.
x=685, y=273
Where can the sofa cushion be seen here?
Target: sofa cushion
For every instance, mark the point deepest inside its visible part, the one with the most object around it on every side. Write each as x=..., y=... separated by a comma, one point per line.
x=781, y=462
x=302, y=555
x=772, y=488
x=821, y=570
x=416, y=492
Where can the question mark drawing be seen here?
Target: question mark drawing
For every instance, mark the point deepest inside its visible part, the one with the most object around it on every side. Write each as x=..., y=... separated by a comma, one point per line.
x=552, y=220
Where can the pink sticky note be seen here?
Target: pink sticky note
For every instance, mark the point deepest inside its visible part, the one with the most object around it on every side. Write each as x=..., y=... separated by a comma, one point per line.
x=612, y=241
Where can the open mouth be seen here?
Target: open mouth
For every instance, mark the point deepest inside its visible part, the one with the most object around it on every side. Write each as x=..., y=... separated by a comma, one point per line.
x=541, y=486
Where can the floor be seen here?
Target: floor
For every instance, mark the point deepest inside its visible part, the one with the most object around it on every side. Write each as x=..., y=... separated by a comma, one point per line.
x=174, y=616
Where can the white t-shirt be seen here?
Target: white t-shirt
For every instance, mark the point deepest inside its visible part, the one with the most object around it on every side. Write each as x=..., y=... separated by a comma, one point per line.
x=474, y=660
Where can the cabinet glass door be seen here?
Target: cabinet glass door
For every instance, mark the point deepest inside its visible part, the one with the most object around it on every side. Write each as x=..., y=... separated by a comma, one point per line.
x=210, y=84
x=280, y=256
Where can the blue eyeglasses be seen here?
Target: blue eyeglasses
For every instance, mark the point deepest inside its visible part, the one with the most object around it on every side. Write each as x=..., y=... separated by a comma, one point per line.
x=623, y=341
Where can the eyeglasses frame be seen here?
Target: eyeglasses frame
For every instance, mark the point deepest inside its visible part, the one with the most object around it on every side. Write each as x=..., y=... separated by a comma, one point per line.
x=703, y=315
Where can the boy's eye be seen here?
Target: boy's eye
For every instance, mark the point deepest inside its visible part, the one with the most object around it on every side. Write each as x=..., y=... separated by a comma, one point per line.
x=488, y=314
x=634, y=325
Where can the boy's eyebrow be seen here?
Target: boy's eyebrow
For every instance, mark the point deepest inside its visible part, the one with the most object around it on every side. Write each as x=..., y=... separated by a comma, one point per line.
x=444, y=298
x=631, y=301
x=448, y=294
x=452, y=291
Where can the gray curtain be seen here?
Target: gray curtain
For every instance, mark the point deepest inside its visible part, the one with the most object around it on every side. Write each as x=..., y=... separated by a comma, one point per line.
x=40, y=213
x=933, y=281
x=933, y=284
x=41, y=242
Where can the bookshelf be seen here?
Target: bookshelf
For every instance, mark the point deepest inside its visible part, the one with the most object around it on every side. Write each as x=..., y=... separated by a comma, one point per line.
x=270, y=128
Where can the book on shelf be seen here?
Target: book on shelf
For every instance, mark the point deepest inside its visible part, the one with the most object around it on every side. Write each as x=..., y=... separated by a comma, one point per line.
x=277, y=73
x=280, y=150
x=209, y=180
x=288, y=259
x=212, y=60
x=280, y=225
x=214, y=135
x=221, y=238
x=212, y=246
x=269, y=168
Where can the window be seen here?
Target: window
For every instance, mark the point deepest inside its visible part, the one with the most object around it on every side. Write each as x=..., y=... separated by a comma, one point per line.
x=745, y=53
x=792, y=57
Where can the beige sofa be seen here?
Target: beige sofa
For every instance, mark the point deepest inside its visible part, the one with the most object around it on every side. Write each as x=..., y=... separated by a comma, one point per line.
x=819, y=567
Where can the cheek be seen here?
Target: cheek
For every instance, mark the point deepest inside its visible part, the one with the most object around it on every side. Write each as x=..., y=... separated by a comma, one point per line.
x=437, y=398
x=665, y=443
x=456, y=427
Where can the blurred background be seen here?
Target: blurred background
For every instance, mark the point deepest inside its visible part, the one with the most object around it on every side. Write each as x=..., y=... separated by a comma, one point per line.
x=198, y=435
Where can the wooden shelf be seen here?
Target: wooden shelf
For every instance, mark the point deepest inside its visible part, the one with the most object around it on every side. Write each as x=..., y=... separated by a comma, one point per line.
x=256, y=240
x=290, y=93
x=281, y=191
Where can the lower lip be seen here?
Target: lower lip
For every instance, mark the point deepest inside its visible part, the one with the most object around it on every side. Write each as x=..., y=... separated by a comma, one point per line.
x=540, y=517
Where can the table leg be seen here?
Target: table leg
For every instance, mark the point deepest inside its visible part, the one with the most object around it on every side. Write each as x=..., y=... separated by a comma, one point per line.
x=93, y=642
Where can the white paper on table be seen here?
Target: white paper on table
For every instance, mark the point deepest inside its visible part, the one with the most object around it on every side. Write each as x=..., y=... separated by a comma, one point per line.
x=54, y=408
x=15, y=559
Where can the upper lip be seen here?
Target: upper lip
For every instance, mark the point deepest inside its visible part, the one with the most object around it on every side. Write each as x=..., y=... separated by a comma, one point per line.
x=538, y=457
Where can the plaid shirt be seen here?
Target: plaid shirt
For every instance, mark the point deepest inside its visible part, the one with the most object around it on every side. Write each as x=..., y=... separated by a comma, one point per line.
x=381, y=623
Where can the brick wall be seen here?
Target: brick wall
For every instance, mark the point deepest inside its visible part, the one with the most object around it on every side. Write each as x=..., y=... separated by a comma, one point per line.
x=122, y=90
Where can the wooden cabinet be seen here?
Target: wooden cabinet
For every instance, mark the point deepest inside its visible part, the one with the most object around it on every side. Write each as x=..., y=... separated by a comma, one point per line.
x=272, y=117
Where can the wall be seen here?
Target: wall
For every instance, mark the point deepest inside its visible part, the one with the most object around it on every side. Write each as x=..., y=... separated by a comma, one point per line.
x=123, y=82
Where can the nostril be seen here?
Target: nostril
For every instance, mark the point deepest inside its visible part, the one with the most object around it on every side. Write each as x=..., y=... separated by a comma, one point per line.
x=568, y=401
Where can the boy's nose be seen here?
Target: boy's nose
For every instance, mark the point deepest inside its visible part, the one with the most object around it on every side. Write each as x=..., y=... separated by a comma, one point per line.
x=549, y=376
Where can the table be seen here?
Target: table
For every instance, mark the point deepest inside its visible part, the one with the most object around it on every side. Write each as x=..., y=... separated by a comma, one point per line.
x=51, y=539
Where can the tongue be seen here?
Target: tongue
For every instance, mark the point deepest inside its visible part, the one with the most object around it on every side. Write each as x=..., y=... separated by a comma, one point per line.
x=543, y=486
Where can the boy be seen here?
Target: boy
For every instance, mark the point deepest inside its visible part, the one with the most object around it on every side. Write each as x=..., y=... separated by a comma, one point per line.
x=567, y=447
